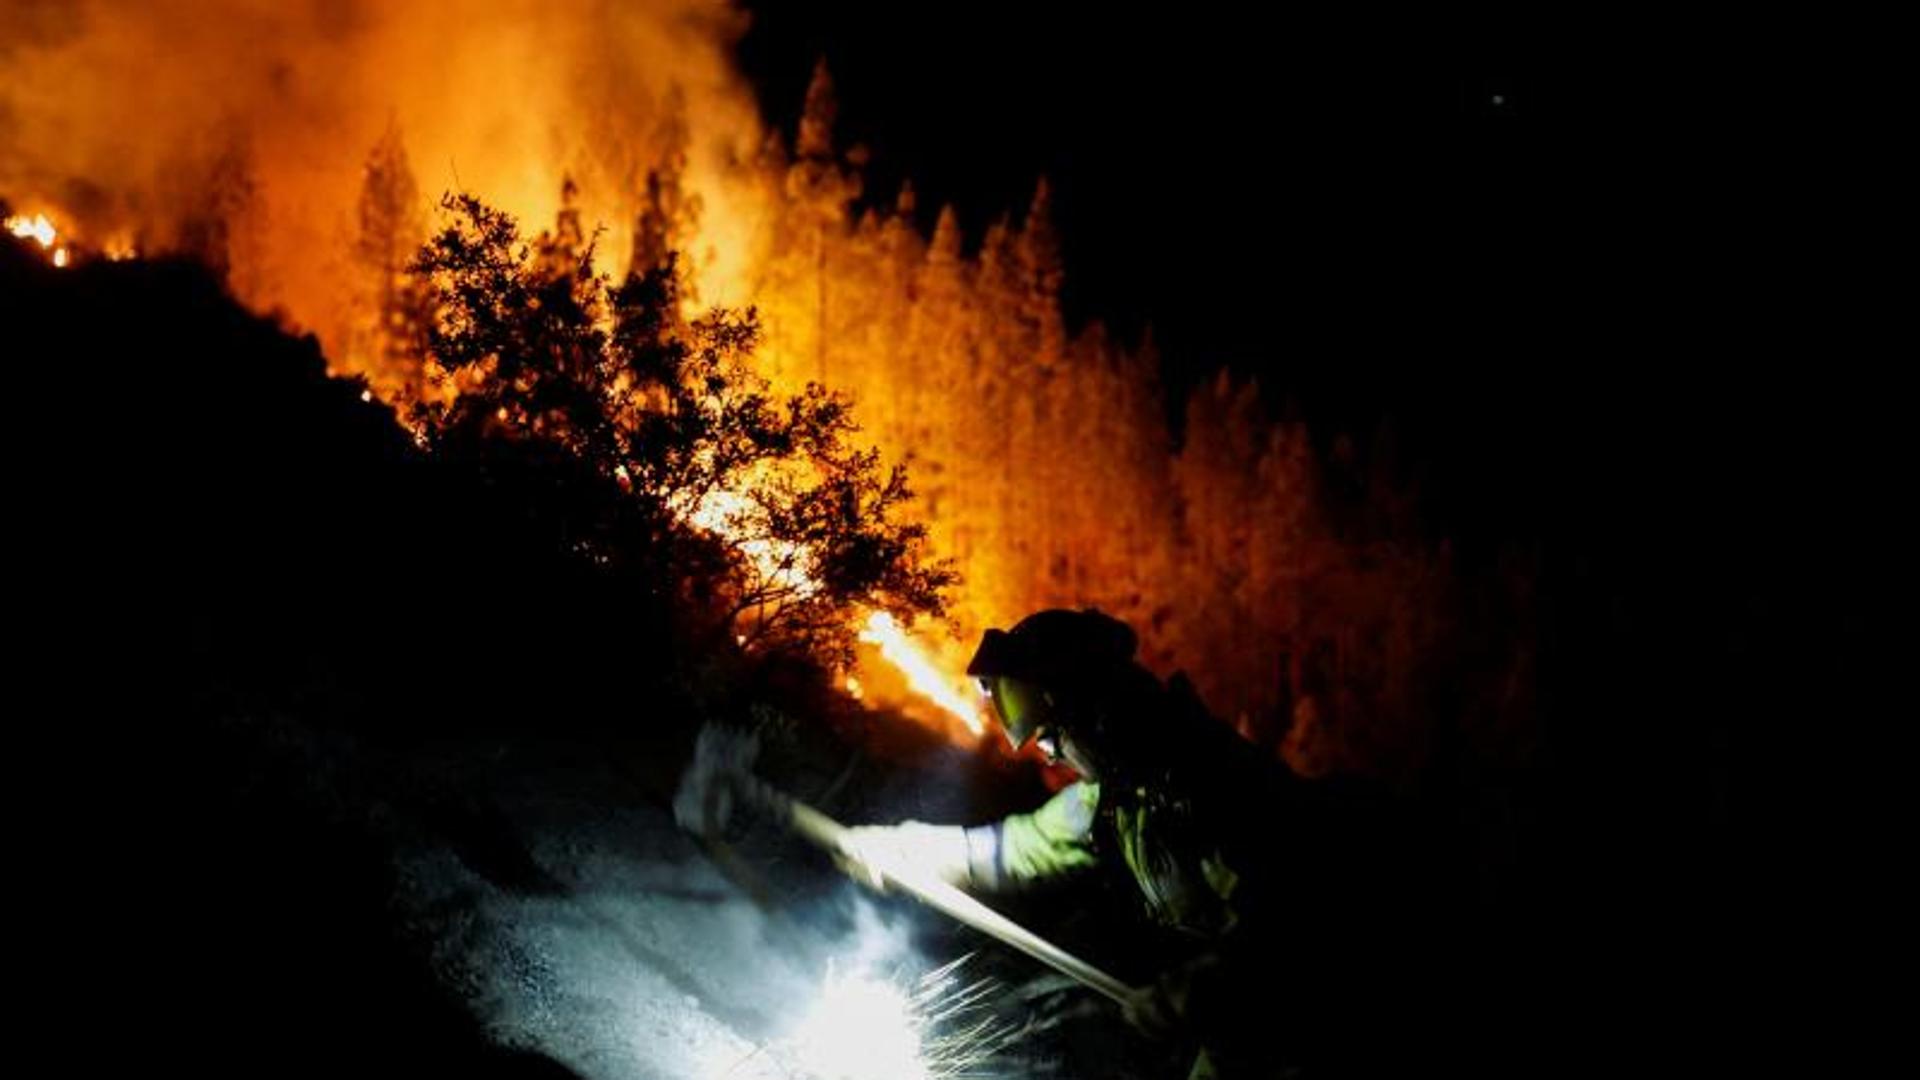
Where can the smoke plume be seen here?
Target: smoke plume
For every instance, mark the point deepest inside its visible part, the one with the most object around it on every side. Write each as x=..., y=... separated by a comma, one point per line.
x=238, y=130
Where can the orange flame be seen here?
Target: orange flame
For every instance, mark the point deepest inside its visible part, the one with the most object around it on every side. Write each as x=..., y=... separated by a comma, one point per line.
x=899, y=650
x=60, y=250
x=724, y=513
x=36, y=228
x=40, y=230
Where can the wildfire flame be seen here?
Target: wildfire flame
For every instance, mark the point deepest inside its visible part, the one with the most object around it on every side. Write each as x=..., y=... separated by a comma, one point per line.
x=726, y=513
x=41, y=231
x=884, y=631
x=778, y=563
x=36, y=228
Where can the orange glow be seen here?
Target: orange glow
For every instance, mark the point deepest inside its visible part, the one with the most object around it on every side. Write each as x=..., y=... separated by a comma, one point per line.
x=926, y=679
x=58, y=244
x=604, y=96
x=1042, y=456
x=780, y=565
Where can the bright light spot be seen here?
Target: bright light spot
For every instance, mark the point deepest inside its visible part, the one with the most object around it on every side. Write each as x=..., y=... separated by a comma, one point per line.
x=366, y=395
x=882, y=630
x=781, y=566
x=867, y=1018
x=854, y=689
x=36, y=228
x=860, y=1028
x=41, y=231
x=779, y=563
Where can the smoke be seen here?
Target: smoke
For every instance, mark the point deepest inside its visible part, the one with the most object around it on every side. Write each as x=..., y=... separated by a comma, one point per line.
x=238, y=130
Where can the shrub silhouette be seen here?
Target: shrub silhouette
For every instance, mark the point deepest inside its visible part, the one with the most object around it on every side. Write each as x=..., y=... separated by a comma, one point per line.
x=648, y=441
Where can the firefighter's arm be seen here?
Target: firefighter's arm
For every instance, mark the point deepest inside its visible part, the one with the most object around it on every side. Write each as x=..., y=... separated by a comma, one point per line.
x=1054, y=840
x=910, y=849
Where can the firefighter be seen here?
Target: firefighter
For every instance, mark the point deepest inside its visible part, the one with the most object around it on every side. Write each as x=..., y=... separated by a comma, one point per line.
x=1163, y=788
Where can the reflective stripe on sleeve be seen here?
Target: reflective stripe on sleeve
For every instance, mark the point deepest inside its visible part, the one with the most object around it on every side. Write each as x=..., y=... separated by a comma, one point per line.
x=985, y=870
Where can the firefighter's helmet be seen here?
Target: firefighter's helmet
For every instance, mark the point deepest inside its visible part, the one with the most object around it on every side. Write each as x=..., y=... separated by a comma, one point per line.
x=1046, y=656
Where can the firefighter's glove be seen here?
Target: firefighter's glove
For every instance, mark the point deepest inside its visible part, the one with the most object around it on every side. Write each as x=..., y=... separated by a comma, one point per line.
x=911, y=851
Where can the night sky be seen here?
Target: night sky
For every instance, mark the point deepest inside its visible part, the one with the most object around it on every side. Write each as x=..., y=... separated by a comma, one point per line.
x=1511, y=236
x=1309, y=187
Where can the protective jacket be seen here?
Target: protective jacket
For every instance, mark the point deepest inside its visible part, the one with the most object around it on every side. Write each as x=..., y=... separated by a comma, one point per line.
x=1185, y=881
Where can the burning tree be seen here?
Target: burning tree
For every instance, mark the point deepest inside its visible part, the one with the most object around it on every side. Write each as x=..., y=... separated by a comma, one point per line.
x=395, y=306
x=660, y=449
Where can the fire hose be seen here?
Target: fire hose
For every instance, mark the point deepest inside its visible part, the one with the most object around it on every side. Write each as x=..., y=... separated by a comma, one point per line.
x=721, y=773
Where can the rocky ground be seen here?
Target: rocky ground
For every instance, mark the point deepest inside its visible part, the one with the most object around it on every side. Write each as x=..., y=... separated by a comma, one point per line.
x=528, y=908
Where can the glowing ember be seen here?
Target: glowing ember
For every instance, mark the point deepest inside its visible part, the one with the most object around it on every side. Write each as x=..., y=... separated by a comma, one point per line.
x=854, y=689
x=926, y=679
x=60, y=257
